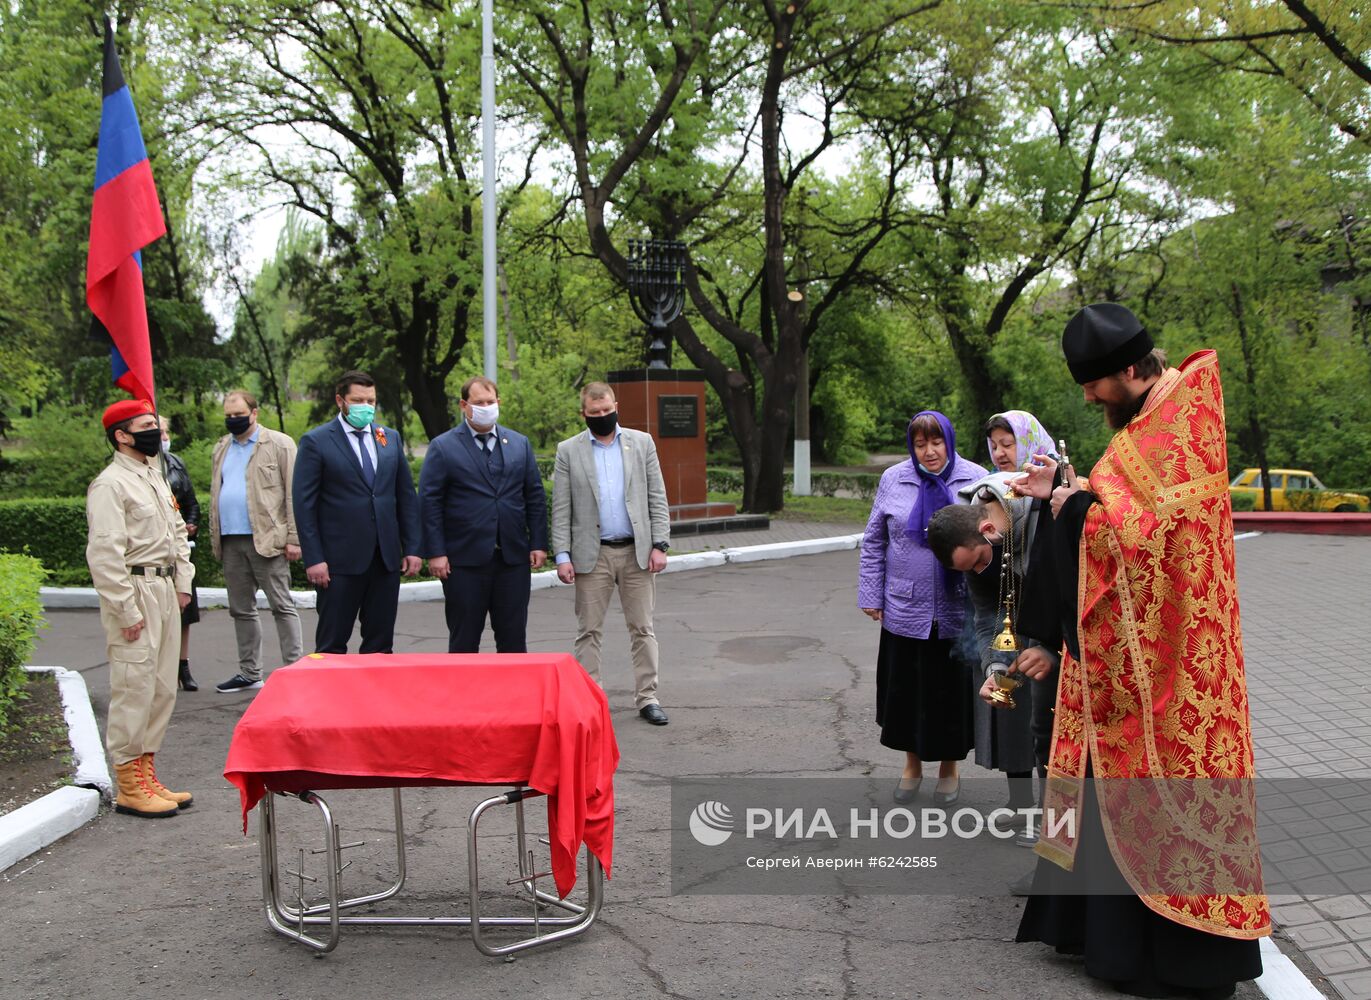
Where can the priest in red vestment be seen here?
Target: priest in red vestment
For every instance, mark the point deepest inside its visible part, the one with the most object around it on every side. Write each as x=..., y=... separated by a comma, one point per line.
x=1158, y=883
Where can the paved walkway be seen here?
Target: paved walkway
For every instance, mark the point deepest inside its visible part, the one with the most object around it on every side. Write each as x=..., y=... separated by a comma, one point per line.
x=1305, y=604
x=768, y=669
x=779, y=531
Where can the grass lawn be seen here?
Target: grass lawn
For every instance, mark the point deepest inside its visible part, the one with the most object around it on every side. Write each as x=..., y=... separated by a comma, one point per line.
x=828, y=510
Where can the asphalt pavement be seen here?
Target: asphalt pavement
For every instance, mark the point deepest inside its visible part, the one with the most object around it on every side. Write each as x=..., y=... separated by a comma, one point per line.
x=768, y=668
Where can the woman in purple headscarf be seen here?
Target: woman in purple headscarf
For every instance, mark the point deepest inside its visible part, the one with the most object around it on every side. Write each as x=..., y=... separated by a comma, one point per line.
x=923, y=704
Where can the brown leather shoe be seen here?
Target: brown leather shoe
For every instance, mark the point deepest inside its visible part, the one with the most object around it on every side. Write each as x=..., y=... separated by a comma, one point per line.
x=135, y=796
x=183, y=800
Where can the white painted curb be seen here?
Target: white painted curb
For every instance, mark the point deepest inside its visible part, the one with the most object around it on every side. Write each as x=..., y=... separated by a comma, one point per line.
x=1281, y=979
x=88, y=749
x=784, y=550
x=38, y=824
x=694, y=560
x=68, y=597
x=432, y=590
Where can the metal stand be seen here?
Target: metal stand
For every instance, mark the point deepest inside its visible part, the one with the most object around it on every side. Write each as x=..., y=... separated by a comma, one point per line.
x=293, y=918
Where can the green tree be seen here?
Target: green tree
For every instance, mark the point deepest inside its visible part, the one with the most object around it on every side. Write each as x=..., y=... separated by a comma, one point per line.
x=1317, y=47
x=663, y=118
x=50, y=83
x=379, y=100
x=1252, y=279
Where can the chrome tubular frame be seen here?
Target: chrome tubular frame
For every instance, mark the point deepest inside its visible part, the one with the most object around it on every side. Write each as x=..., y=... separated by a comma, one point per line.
x=294, y=920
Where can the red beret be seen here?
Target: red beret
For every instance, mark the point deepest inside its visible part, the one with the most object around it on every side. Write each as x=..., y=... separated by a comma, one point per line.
x=125, y=409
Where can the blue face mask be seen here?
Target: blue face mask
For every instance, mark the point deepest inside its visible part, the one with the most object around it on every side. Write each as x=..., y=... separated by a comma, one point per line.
x=359, y=414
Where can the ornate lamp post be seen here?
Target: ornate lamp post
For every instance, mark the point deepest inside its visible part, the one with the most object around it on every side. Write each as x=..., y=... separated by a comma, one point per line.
x=658, y=292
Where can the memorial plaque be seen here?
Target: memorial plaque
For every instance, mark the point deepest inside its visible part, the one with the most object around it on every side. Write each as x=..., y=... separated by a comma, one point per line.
x=678, y=416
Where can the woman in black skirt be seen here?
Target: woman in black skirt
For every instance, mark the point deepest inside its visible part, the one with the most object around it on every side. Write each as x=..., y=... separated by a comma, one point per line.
x=923, y=704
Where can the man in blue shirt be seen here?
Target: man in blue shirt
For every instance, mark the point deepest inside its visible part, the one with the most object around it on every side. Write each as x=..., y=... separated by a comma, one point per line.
x=252, y=531
x=611, y=529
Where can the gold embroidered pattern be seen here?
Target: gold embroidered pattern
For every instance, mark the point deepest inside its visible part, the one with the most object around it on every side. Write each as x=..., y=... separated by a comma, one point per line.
x=1160, y=691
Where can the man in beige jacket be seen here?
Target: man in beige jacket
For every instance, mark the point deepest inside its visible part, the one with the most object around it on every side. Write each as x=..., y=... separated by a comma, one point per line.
x=610, y=529
x=140, y=564
x=252, y=530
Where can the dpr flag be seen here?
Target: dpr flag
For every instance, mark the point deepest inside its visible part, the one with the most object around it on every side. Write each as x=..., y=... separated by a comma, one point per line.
x=125, y=217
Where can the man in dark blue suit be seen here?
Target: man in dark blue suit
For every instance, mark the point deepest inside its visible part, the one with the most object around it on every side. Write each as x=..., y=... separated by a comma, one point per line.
x=485, y=522
x=358, y=520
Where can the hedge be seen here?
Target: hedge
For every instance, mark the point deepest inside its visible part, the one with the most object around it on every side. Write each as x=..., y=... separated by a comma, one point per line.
x=54, y=528
x=21, y=616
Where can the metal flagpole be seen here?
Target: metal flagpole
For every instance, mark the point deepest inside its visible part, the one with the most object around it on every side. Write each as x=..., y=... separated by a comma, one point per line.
x=488, y=184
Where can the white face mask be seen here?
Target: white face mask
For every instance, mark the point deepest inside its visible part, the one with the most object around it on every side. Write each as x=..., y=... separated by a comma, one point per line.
x=484, y=416
x=166, y=446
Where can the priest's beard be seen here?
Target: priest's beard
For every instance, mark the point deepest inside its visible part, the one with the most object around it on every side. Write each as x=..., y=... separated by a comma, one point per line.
x=1118, y=414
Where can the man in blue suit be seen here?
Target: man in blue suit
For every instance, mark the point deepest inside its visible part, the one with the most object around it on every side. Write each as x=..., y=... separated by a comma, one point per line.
x=485, y=522
x=357, y=518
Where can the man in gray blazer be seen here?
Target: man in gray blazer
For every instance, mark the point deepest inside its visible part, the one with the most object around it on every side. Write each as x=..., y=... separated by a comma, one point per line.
x=610, y=529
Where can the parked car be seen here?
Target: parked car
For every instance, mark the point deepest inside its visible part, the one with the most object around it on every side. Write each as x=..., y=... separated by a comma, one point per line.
x=1310, y=493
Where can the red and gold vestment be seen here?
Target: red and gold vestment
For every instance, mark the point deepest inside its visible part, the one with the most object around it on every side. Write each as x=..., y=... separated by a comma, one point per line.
x=1158, y=699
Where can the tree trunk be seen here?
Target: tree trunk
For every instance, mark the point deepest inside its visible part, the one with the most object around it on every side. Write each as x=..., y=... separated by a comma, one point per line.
x=1253, y=420
x=986, y=393
x=426, y=382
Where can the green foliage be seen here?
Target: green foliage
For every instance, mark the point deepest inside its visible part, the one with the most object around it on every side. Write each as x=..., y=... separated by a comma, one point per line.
x=542, y=403
x=52, y=529
x=1243, y=501
x=21, y=616
x=65, y=448
x=861, y=485
x=1002, y=164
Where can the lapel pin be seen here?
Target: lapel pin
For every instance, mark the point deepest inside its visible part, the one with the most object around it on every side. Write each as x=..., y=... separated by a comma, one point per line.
x=504, y=440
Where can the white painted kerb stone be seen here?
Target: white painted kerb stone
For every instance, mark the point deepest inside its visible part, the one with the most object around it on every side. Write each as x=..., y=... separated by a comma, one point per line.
x=38, y=824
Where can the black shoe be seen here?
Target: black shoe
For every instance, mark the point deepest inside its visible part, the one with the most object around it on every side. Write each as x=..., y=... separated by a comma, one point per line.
x=653, y=713
x=237, y=683
x=184, y=679
x=947, y=798
x=902, y=795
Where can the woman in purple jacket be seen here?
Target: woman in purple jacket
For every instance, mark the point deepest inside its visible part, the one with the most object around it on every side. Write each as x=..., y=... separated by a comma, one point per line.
x=923, y=704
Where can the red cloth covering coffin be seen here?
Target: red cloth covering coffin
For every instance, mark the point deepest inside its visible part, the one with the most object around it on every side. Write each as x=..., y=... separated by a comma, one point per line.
x=385, y=720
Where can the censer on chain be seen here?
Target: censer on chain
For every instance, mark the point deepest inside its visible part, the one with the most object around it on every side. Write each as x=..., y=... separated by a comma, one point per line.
x=1004, y=648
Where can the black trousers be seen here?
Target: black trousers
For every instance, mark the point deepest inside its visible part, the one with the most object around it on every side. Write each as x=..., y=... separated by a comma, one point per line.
x=497, y=590
x=373, y=596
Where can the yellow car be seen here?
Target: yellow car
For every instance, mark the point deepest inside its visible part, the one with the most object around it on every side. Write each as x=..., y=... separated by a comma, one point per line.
x=1310, y=493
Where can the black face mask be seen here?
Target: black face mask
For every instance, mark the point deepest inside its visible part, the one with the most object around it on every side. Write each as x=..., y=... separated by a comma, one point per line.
x=237, y=425
x=603, y=426
x=149, y=442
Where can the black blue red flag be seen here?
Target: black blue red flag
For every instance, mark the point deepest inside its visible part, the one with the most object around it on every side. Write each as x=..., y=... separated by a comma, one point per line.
x=124, y=218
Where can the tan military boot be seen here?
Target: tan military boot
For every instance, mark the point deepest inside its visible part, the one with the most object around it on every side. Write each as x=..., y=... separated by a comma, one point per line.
x=183, y=800
x=136, y=797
